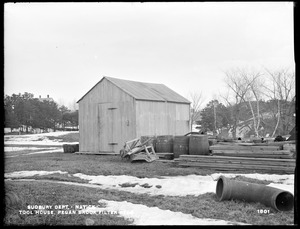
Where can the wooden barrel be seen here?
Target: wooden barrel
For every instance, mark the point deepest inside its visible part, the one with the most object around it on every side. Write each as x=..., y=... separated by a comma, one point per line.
x=152, y=140
x=164, y=143
x=198, y=145
x=181, y=145
x=71, y=148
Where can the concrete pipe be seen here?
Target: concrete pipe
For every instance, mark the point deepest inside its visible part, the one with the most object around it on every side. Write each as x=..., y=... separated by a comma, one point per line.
x=272, y=197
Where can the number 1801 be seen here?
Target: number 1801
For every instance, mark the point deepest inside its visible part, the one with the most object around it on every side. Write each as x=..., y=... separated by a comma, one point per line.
x=263, y=211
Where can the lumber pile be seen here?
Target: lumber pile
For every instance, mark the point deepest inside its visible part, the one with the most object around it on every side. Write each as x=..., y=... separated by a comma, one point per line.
x=224, y=163
x=256, y=151
x=276, y=158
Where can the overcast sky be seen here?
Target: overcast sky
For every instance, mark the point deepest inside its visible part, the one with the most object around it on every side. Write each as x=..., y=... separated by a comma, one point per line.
x=64, y=49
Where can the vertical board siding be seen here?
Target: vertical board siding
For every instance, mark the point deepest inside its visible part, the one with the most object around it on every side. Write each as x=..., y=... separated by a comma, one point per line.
x=182, y=119
x=88, y=126
x=161, y=118
x=151, y=118
x=92, y=112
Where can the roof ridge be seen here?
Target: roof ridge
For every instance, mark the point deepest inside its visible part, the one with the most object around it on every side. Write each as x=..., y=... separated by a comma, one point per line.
x=131, y=80
x=144, y=90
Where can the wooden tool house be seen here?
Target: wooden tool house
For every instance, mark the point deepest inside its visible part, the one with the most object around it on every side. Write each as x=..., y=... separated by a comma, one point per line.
x=115, y=111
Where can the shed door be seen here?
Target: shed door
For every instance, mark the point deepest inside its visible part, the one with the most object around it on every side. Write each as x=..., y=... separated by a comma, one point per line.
x=107, y=127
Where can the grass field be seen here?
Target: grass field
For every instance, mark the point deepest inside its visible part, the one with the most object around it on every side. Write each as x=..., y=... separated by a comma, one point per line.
x=40, y=192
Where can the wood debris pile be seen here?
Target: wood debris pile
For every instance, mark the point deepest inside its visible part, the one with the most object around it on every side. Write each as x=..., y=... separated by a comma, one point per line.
x=135, y=150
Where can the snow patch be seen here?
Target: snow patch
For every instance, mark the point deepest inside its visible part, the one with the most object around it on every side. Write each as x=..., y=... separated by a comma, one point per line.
x=30, y=173
x=54, y=134
x=285, y=187
x=144, y=215
x=171, y=186
x=167, y=185
x=16, y=148
x=48, y=151
x=177, y=185
x=283, y=179
x=37, y=139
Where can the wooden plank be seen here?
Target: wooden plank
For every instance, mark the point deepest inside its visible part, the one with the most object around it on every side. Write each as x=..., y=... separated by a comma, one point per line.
x=232, y=158
x=240, y=147
x=275, y=156
x=284, y=156
x=241, y=163
x=270, y=151
x=166, y=161
x=276, y=143
x=283, y=161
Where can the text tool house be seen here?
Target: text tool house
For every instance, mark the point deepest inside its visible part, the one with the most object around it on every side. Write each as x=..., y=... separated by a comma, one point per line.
x=115, y=111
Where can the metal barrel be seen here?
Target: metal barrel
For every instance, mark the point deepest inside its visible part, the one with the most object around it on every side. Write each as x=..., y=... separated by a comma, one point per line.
x=164, y=143
x=181, y=145
x=198, y=145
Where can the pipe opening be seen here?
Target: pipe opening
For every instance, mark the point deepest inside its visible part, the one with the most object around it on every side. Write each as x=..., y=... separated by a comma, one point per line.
x=284, y=201
x=220, y=186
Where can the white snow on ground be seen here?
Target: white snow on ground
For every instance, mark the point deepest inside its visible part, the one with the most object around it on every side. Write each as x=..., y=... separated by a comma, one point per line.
x=284, y=182
x=284, y=179
x=37, y=139
x=48, y=151
x=56, y=133
x=42, y=143
x=168, y=185
x=172, y=186
x=30, y=173
x=289, y=188
x=175, y=186
x=143, y=215
x=17, y=148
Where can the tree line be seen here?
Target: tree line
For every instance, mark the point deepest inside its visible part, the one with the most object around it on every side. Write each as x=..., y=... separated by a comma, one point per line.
x=261, y=101
x=24, y=111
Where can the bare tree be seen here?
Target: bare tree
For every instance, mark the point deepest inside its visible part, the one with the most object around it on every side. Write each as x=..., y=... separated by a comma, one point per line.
x=239, y=83
x=245, y=86
x=197, y=100
x=253, y=79
x=281, y=88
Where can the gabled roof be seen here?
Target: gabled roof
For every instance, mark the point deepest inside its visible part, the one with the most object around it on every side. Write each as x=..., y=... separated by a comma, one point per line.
x=145, y=91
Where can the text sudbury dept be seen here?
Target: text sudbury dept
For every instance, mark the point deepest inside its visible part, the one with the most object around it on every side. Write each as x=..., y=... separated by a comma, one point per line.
x=65, y=210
